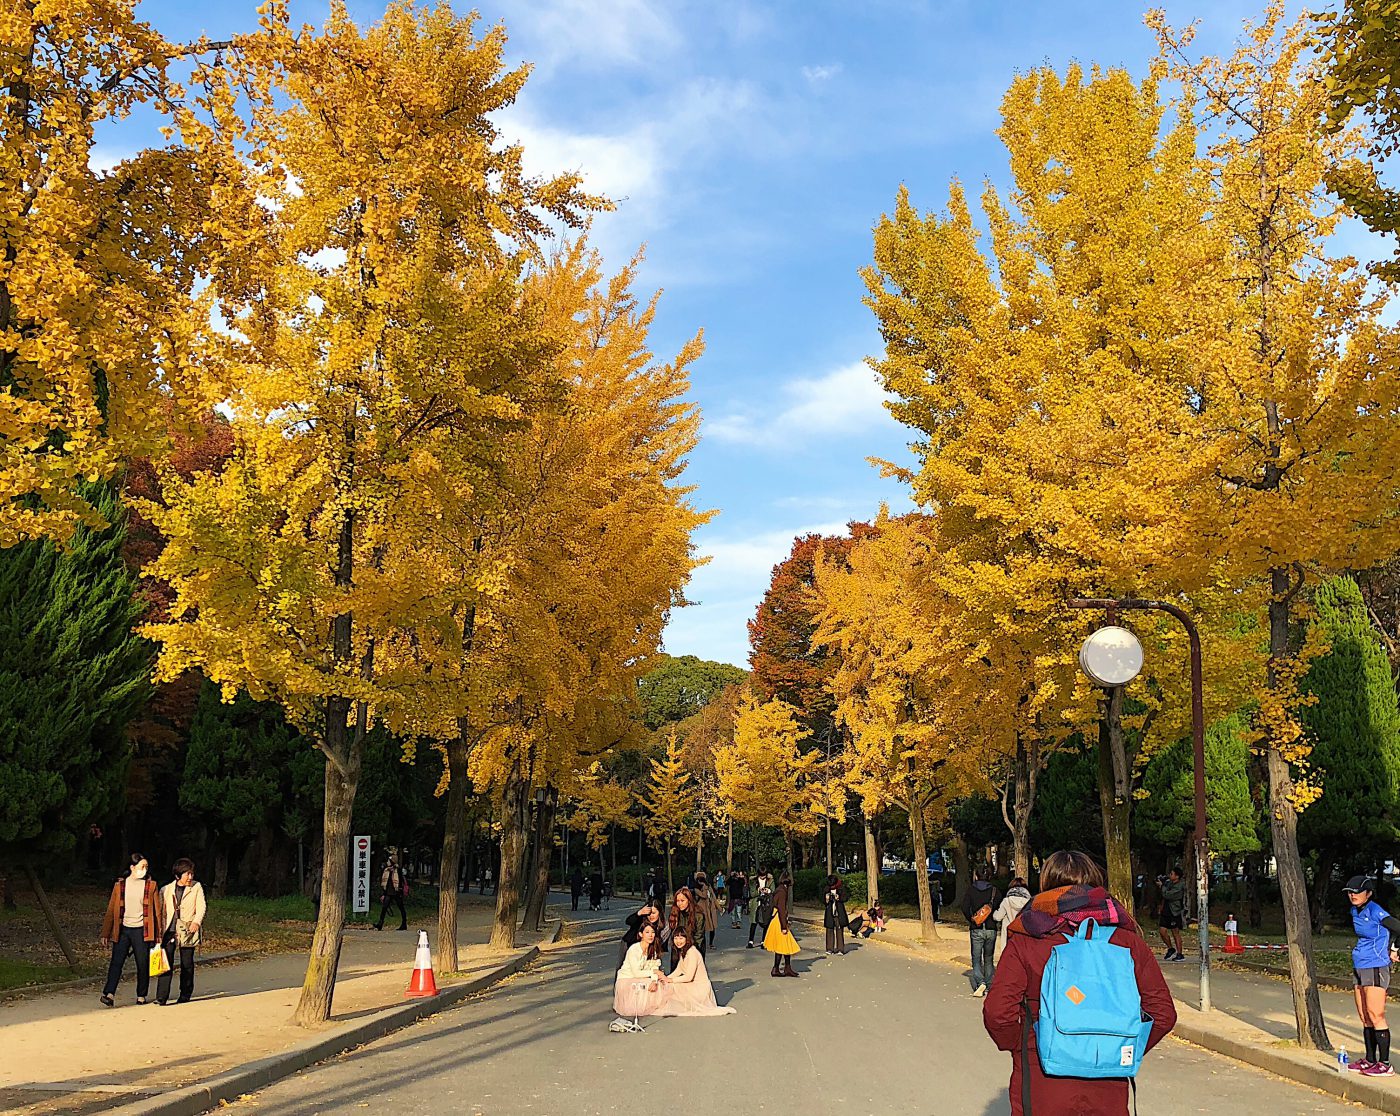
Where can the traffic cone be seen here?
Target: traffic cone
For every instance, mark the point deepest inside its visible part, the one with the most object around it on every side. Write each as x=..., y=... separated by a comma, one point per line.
x=422, y=985
x=1232, y=935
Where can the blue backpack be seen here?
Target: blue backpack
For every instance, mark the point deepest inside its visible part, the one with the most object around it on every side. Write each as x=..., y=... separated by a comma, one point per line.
x=1091, y=1022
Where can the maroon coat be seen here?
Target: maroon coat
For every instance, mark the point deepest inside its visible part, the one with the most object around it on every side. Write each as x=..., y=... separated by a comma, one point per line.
x=1018, y=975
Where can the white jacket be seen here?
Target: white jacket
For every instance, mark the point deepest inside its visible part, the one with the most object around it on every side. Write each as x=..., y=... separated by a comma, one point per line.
x=192, y=908
x=1007, y=911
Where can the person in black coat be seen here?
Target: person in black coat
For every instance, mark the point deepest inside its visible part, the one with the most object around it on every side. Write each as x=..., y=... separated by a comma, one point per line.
x=834, y=917
x=595, y=890
x=647, y=915
x=576, y=885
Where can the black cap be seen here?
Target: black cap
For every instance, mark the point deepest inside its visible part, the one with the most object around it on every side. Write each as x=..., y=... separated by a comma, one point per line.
x=1359, y=883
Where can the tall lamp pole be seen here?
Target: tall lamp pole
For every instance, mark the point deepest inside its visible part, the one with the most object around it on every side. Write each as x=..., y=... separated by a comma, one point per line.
x=1106, y=655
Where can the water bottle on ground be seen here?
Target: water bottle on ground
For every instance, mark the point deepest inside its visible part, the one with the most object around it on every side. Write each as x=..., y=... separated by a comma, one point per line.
x=1342, y=1060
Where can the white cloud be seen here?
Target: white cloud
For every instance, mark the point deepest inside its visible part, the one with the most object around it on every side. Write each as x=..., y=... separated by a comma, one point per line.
x=728, y=588
x=846, y=401
x=818, y=74
x=598, y=32
x=643, y=165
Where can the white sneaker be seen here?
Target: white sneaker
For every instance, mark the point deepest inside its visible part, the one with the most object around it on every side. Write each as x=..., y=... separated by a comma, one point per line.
x=980, y=991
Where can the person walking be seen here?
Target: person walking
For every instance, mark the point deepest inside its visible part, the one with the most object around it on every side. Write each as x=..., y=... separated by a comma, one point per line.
x=778, y=939
x=834, y=917
x=979, y=907
x=595, y=890
x=133, y=923
x=1072, y=892
x=738, y=899
x=576, y=886
x=709, y=911
x=762, y=911
x=657, y=890
x=182, y=901
x=1017, y=896
x=1371, y=958
x=1171, y=915
x=391, y=890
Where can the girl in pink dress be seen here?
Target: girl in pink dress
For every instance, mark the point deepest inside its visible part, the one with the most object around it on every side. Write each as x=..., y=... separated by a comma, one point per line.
x=688, y=990
x=640, y=988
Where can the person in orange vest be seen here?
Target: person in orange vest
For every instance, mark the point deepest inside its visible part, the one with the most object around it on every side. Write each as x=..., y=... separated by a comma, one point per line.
x=133, y=924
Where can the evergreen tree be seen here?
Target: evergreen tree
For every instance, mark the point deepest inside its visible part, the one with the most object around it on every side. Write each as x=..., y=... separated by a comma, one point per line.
x=1066, y=813
x=1165, y=818
x=1354, y=728
x=72, y=674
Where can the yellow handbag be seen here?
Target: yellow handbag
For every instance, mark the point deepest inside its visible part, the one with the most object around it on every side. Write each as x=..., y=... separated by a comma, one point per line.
x=160, y=963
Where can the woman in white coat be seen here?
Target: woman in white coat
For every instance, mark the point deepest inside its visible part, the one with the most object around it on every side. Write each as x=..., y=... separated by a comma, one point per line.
x=184, y=905
x=1017, y=896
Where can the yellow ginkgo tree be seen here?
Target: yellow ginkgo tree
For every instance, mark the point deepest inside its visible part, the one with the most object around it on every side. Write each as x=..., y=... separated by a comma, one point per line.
x=384, y=356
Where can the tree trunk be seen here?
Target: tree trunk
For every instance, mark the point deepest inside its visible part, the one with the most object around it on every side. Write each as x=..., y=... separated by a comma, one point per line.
x=670, y=875
x=544, y=850
x=872, y=862
x=451, y=858
x=787, y=839
x=513, y=808
x=1023, y=794
x=729, y=849
x=1115, y=799
x=699, y=848
x=50, y=917
x=318, y=989
x=7, y=889
x=1293, y=889
x=928, y=928
x=1283, y=822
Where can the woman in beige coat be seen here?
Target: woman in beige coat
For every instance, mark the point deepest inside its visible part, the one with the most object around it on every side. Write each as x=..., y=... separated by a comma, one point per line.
x=182, y=900
x=708, y=906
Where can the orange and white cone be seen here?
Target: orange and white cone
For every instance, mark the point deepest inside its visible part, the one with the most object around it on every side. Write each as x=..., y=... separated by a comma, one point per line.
x=422, y=985
x=1232, y=935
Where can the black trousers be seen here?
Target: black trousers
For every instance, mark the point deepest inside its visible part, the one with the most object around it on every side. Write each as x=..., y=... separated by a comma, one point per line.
x=186, y=974
x=576, y=896
x=132, y=939
x=385, y=901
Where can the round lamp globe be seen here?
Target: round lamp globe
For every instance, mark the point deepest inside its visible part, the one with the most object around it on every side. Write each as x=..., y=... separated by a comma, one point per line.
x=1111, y=656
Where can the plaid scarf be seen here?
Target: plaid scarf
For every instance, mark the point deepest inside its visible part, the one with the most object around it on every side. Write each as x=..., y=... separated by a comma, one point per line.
x=1062, y=909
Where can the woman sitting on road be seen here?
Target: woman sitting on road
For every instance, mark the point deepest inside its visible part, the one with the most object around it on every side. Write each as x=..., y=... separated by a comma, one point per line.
x=1371, y=958
x=640, y=987
x=688, y=988
x=1072, y=892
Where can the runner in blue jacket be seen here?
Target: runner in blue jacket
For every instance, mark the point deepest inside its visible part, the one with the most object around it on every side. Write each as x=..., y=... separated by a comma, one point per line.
x=1371, y=958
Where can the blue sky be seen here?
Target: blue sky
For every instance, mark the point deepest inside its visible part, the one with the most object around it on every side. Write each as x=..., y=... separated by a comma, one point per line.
x=751, y=147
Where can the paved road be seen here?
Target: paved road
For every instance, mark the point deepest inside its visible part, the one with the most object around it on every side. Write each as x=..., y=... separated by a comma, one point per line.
x=876, y=1031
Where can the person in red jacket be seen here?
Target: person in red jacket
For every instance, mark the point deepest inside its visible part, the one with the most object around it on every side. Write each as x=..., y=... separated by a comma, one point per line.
x=1072, y=890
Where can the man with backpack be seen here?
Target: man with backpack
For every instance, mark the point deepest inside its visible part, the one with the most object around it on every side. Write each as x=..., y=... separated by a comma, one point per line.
x=1074, y=954
x=979, y=905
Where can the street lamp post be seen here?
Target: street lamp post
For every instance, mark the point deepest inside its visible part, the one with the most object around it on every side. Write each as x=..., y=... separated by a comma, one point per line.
x=1114, y=657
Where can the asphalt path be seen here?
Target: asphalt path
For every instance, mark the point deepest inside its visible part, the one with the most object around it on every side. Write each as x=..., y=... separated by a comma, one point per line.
x=876, y=1031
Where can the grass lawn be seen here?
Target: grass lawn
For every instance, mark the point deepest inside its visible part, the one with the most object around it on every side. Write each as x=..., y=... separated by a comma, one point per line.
x=21, y=974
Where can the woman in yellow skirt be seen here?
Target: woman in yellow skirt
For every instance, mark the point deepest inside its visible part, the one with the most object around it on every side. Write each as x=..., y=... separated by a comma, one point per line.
x=779, y=940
